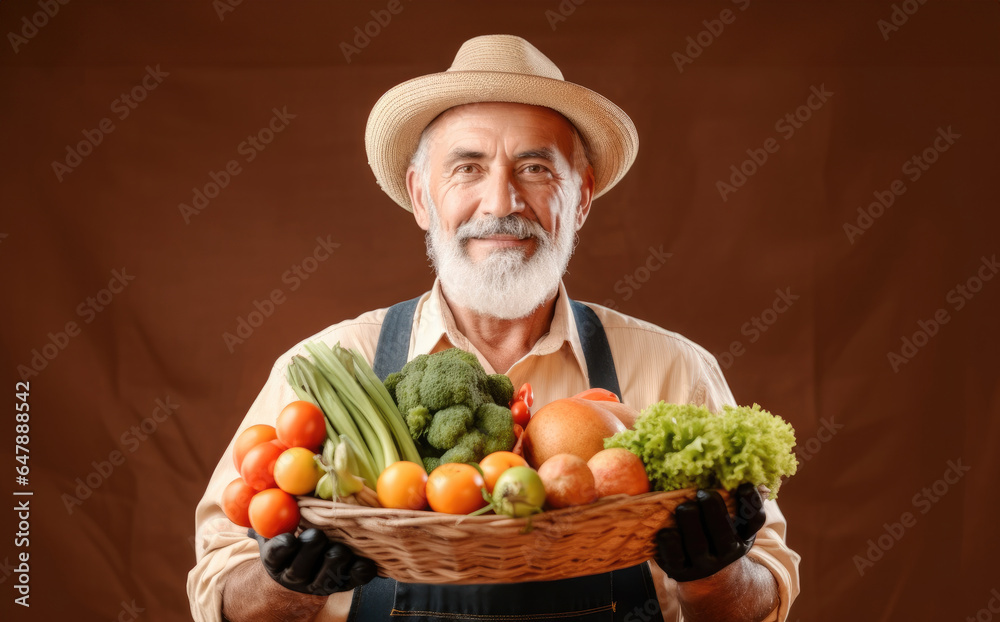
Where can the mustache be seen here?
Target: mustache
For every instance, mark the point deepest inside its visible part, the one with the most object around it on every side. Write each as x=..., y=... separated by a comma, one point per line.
x=511, y=224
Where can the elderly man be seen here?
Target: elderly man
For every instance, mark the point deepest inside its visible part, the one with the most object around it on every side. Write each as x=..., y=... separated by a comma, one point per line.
x=500, y=159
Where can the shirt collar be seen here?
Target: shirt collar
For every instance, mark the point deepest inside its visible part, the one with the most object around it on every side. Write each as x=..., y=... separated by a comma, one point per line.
x=436, y=329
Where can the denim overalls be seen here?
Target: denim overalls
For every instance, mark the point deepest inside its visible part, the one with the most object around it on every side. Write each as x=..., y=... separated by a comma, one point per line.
x=622, y=595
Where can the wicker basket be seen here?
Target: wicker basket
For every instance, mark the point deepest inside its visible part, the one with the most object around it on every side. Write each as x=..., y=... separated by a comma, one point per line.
x=428, y=547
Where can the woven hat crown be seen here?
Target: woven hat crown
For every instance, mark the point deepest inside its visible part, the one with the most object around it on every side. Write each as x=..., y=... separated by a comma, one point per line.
x=504, y=53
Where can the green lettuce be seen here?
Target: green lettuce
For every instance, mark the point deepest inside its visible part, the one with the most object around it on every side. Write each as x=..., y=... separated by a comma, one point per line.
x=687, y=446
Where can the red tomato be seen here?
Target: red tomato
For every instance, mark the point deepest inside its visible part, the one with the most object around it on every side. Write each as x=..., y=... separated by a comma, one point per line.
x=597, y=395
x=273, y=512
x=455, y=488
x=402, y=486
x=236, y=501
x=258, y=464
x=521, y=413
x=301, y=424
x=250, y=438
x=525, y=394
x=496, y=463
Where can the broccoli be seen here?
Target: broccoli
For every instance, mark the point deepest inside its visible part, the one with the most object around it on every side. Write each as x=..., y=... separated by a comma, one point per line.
x=408, y=391
x=417, y=420
x=469, y=358
x=454, y=410
x=461, y=386
x=500, y=387
x=449, y=425
x=417, y=364
x=471, y=448
x=390, y=383
x=498, y=424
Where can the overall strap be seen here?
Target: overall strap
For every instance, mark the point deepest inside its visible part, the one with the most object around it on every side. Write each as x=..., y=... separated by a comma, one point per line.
x=394, y=344
x=596, y=351
x=394, y=338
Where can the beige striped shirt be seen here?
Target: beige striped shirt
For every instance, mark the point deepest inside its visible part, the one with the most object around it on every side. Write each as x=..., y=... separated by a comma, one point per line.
x=653, y=364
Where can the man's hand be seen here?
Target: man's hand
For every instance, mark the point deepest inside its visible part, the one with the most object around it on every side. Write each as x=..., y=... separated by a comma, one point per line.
x=707, y=539
x=312, y=563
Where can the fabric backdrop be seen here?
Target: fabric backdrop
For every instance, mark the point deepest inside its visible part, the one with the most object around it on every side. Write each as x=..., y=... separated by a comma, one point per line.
x=840, y=261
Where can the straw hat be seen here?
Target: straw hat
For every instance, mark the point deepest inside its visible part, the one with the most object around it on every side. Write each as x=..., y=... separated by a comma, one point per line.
x=495, y=68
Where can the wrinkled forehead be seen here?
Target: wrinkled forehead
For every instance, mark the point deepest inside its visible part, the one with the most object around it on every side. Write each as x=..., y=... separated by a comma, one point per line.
x=509, y=125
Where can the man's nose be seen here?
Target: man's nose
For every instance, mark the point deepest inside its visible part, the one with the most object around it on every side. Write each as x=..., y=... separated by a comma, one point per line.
x=501, y=195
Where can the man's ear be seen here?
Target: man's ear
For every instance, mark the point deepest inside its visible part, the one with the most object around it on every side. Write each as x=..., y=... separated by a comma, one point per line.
x=586, y=197
x=417, y=198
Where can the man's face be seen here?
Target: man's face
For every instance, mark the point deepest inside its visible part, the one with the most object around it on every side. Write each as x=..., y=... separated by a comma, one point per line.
x=503, y=199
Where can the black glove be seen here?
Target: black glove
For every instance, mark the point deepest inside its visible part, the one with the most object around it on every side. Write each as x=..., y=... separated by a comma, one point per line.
x=312, y=563
x=707, y=538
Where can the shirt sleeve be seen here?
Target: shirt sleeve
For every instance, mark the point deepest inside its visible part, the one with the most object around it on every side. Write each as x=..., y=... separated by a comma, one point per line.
x=770, y=549
x=221, y=545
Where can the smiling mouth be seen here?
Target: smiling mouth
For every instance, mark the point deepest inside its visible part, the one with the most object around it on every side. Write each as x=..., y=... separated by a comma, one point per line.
x=503, y=238
x=500, y=242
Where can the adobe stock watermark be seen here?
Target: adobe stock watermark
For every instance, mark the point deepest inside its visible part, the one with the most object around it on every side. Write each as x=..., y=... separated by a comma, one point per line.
x=807, y=450
x=923, y=501
x=648, y=610
x=30, y=27
x=756, y=326
x=561, y=12
x=713, y=30
x=898, y=17
x=364, y=34
x=249, y=148
x=986, y=613
x=957, y=298
x=914, y=168
x=225, y=6
x=122, y=107
x=629, y=284
x=129, y=611
x=130, y=440
x=87, y=310
x=6, y=569
x=786, y=126
x=293, y=277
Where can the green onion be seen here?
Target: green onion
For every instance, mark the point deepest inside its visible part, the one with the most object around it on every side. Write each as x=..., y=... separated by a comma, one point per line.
x=329, y=402
x=385, y=405
x=375, y=433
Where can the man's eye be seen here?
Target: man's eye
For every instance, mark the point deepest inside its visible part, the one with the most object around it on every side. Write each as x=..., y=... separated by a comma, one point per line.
x=465, y=169
x=534, y=169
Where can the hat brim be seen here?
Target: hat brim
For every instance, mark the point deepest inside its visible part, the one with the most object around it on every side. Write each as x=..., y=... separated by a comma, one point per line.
x=400, y=116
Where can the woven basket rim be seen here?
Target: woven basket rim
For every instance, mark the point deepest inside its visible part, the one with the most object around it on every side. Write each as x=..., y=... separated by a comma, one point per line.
x=429, y=517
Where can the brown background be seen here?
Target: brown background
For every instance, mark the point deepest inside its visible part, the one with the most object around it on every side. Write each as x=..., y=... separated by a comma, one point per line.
x=825, y=359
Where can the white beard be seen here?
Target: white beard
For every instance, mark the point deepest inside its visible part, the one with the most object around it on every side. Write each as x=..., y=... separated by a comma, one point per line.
x=504, y=285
